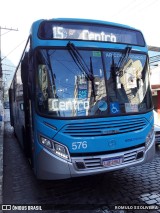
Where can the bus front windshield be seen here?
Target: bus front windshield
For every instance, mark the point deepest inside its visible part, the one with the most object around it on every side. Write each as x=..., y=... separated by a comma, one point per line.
x=88, y=82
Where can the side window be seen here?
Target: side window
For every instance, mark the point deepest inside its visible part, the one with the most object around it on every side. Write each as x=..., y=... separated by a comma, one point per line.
x=14, y=90
x=43, y=80
x=19, y=88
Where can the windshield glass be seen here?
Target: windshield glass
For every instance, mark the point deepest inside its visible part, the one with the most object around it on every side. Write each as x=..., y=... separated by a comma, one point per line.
x=71, y=82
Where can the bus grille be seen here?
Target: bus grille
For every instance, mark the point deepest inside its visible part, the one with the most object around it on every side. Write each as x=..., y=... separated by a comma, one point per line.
x=96, y=163
x=157, y=137
x=104, y=128
x=92, y=163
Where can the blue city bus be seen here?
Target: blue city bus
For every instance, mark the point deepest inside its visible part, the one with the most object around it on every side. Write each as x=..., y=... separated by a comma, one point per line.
x=80, y=99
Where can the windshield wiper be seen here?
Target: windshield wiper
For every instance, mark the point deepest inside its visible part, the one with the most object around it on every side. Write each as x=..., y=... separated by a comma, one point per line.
x=118, y=69
x=78, y=59
x=123, y=60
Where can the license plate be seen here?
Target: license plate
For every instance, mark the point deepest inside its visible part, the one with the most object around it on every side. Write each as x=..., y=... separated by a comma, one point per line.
x=112, y=161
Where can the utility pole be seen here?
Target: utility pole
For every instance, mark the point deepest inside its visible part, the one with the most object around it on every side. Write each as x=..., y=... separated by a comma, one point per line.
x=3, y=28
x=1, y=73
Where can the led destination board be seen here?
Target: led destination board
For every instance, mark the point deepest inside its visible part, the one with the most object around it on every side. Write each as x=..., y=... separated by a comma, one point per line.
x=89, y=32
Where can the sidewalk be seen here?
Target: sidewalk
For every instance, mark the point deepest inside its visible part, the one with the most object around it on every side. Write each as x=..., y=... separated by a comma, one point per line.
x=1, y=159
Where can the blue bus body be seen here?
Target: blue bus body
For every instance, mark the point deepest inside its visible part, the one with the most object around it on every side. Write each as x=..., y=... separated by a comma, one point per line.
x=80, y=99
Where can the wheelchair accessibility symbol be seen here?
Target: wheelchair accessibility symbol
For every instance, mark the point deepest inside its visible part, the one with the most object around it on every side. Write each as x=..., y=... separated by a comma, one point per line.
x=114, y=108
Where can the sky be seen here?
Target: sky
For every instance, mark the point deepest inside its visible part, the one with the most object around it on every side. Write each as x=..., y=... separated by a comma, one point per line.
x=20, y=14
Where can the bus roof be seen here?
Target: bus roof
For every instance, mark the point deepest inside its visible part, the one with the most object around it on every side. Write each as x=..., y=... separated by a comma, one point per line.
x=85, y=21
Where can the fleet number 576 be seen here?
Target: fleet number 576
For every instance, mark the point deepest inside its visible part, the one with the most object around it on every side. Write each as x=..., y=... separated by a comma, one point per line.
x=79, y=145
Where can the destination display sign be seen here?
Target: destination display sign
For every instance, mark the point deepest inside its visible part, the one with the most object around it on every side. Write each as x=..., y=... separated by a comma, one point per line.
x=89, y=32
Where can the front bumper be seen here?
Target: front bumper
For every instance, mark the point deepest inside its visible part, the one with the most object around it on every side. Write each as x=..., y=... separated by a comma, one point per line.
x=52, y=167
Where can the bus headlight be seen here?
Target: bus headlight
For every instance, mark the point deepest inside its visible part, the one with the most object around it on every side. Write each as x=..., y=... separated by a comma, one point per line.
x=149, y=138
x=61, y=151
x=57, y=148
x=46, y=142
